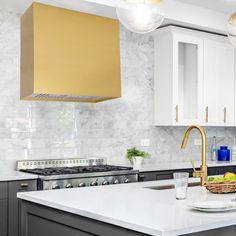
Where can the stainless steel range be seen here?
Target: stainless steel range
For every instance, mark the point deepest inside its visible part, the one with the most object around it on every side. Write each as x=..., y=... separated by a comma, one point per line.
x=69, y=173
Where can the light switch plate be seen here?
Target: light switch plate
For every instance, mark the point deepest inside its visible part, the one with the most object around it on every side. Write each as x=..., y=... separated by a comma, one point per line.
x=197, y=142
x=145, y=142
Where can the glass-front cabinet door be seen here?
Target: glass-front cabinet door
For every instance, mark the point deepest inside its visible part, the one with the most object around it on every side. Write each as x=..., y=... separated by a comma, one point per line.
x=187, y=79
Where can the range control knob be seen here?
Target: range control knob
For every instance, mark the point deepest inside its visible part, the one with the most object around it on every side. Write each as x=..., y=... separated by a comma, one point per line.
x=127, y=181
x=105, y=182
x=94, y=183
x=56, y=186
x=116, y=181
x=69, y=186
x=81, y=185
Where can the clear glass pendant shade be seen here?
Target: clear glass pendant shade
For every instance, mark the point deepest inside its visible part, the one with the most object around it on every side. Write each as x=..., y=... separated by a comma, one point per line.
x=140, y=16
x=232, y=29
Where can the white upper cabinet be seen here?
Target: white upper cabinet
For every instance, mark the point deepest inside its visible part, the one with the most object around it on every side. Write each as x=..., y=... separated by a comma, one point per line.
x=194, y=78
x=218, y=86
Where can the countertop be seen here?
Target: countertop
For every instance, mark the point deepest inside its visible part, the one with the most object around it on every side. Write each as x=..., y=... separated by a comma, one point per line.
x=134, y=206
x=16, y=175
x=183, y=165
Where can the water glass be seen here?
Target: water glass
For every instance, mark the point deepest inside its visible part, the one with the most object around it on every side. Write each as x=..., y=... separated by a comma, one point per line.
x=181, y=185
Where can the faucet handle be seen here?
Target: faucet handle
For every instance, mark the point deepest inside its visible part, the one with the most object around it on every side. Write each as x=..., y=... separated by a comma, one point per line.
x=193, y=165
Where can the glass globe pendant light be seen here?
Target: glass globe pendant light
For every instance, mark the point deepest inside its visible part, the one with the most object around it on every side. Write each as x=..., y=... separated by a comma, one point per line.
x=232, y=29
x=140, y=16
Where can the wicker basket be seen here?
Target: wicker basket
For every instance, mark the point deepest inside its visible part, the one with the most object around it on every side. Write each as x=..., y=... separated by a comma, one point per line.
x=221, y=187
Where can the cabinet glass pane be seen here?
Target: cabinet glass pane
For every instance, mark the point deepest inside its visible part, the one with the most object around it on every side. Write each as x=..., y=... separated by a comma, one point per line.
x=188, y=80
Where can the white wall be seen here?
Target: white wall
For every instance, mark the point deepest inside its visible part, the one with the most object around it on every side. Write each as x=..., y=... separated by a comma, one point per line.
x=47, y=130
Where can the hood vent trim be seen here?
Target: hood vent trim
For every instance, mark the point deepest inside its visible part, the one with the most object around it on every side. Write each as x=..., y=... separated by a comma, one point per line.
x=62, y=97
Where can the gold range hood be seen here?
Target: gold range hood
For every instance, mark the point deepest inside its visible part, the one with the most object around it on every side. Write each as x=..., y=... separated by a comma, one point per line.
x=69, y=56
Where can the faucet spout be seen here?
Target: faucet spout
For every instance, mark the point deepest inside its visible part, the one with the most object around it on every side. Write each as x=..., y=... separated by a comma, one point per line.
x=203, y=172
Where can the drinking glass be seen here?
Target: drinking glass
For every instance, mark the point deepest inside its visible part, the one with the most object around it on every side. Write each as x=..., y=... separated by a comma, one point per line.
x=181, y=185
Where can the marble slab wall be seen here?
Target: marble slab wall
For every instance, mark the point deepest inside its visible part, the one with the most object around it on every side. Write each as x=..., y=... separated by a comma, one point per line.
x=31, y=130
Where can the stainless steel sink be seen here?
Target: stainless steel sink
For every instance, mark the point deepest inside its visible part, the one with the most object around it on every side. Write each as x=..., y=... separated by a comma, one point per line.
x=171, y=186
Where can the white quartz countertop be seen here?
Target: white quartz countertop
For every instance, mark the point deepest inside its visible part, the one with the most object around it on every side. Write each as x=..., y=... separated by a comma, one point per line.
x=182, y=165
x=15, y=175
x=136, y=207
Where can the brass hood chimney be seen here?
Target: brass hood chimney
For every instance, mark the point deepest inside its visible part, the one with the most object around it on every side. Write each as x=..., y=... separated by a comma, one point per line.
x=69, y=56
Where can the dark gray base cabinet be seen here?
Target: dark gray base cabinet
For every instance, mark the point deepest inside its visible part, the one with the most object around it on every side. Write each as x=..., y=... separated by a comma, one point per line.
x=13, y=207
x=168, y=174
x=9, y=205
x=3, y=208
x=38, y=220
x=3, y=217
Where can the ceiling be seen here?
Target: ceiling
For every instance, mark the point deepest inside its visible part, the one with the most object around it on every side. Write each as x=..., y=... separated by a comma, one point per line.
x=14, y=6
x=19, y=6
x=88, y=6
x=192, y=13
x=225, y=6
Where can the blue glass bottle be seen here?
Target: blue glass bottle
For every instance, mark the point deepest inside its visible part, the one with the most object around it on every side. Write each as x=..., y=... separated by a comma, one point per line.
x=223, y=153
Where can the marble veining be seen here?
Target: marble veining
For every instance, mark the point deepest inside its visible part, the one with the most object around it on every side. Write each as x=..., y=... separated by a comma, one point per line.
x=32, y=130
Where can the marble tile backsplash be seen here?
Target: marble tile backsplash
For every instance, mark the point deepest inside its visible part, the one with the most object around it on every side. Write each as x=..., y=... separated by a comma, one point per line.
x=61, y=130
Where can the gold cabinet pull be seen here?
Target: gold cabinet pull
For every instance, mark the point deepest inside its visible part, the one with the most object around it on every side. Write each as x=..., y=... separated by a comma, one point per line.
x=177, y=113
x=24, y=185
x=207, y=114
x=225, y=115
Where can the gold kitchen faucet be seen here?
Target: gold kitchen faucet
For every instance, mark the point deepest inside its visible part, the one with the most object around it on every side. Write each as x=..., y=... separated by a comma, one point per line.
x=202, y=173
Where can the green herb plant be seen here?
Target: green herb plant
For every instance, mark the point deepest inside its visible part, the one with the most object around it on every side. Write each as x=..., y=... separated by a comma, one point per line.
x=133, y=153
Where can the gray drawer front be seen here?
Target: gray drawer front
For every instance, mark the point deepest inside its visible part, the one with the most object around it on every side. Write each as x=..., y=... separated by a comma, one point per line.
x=3, y=190
x=3, y=217
x=22, y=186
x=164, y=175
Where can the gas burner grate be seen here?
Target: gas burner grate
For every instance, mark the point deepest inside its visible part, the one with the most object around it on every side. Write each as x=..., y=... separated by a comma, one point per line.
x=75, y=170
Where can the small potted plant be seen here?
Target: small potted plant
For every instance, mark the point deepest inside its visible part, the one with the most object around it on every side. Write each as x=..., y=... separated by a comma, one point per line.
x=136, y=157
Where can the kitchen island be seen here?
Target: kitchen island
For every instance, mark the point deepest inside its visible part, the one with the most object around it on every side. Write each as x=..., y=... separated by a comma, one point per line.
x=126, y=209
